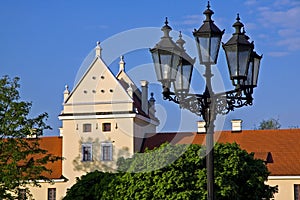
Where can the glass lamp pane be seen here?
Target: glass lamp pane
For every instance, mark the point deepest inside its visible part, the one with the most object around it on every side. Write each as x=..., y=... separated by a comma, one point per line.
x=256, y=70
x=243, y=61
x=183, y=78
x=232, y=61
x=174, y=66
x=187, y=73
x=214, y=49
x=165, y=60
x=249, y=80
x=254, y=65
x=203, y=49
x=155, y=58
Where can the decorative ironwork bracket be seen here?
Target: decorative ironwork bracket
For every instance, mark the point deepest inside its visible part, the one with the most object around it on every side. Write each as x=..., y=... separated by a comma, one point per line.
x=222, y=103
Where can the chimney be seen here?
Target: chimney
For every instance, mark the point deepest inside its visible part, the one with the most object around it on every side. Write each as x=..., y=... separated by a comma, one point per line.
x=144, y=85
x=201, y=127
x=236, y=125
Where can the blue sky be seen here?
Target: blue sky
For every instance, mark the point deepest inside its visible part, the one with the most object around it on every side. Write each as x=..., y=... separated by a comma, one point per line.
x=45, y=42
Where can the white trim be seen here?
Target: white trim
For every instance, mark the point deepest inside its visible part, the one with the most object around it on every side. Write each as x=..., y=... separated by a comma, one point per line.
x=283, y=177
x=96, y=103
x=96, y=116
x=156, y=123
x=109, y=116
x=58, y=180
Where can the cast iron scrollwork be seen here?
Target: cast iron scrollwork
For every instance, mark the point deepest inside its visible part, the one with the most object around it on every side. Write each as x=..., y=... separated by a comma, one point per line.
x=223, y=102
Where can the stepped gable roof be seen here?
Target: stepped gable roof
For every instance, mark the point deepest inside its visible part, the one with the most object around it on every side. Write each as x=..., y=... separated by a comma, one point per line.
x=280, y=149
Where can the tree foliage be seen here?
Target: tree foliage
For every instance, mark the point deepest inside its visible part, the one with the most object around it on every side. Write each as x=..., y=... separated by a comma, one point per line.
x=90, y=186
x=21, y=160
x=238, y=175
x=269, y=124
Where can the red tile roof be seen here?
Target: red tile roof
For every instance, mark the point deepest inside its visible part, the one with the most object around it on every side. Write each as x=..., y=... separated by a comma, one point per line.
x=280, y=148
x=54, y=146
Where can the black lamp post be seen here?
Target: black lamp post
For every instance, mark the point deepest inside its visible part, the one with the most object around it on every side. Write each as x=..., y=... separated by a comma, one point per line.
x=174, y=66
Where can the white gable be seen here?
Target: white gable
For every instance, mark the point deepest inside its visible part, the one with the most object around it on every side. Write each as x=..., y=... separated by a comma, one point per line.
x=98, y=91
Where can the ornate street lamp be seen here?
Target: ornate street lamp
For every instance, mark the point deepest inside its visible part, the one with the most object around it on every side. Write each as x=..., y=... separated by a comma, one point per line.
x=174, y=66
x=208, y=39
x=238, y=53
x=184, y=71
x=166, y=55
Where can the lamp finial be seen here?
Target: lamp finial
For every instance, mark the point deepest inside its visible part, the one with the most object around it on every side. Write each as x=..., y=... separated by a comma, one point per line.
x=238, y=25
x=180, y=41
x=208, y=5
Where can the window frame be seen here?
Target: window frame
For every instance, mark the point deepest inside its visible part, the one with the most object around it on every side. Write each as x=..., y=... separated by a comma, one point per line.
x=106, y=127
x=106, y=151
x=90, y=155
x=87, y=127
x=296, y=191
x=51, y=194
x=22, y=194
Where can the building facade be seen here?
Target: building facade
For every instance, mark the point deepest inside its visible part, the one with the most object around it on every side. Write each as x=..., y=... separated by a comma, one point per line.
x=104, y=117
x=107, y=116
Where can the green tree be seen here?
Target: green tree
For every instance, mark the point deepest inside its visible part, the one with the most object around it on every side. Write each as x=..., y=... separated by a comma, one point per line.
x=269, y=124
x=90, y=186
x=22, y=161
x=238, y=175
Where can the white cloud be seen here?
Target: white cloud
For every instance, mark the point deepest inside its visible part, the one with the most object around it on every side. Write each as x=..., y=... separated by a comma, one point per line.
x=250, y=26
x=263, y=36
x=283, y=20
x=250, y=2
x=280, y=3
x=277, y=54
x=287, y=32
x=192, y=20
x=292, y=44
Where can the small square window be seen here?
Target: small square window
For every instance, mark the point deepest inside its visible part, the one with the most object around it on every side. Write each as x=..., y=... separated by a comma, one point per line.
x=106, y=152
x=106, y=127
x=87, y=128
x=87, y=152
x=51, y=193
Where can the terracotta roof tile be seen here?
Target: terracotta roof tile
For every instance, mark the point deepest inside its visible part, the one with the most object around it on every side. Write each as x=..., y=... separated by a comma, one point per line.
x=281, y=148
x=54, y=146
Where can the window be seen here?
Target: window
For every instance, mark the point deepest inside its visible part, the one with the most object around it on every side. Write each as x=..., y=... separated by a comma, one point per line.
x=106, y=151
x=87, y=128
x=22, y=194
x=51, y=193
x=296, y=192
x=86, y=152
x=106, y=127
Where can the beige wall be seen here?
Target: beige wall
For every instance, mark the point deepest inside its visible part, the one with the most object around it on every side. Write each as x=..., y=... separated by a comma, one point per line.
x=285, y=187
x=121, y=137
x=41, y=193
